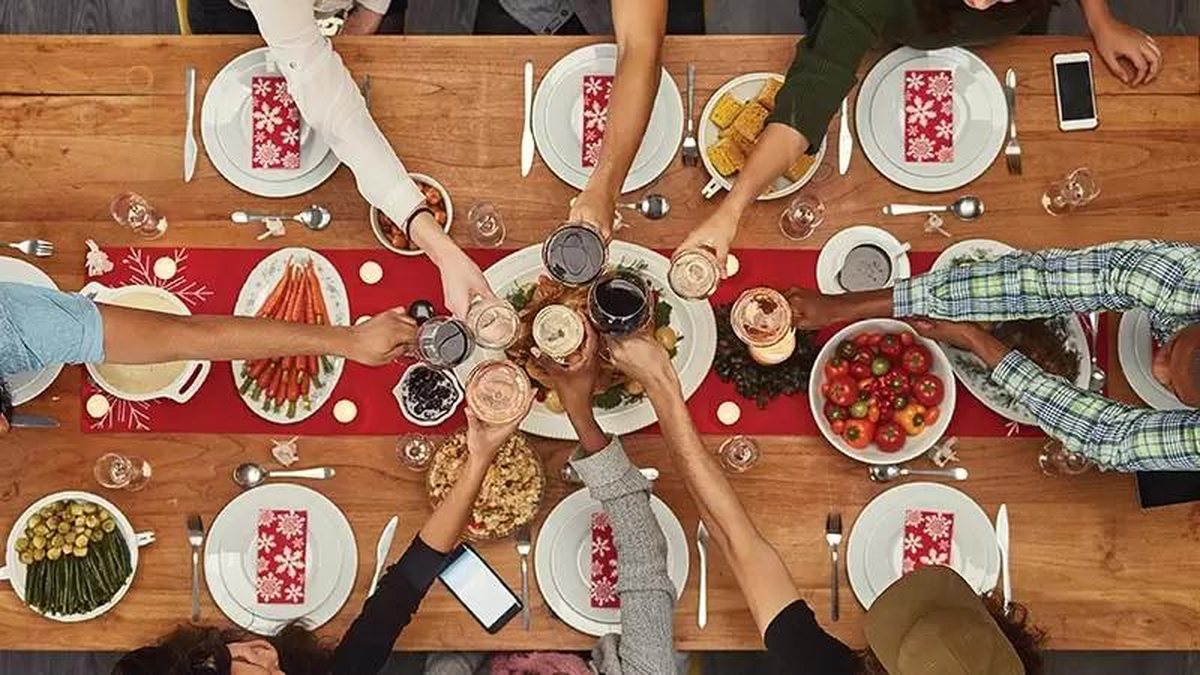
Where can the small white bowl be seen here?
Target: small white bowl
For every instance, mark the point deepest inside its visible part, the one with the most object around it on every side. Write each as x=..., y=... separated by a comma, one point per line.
x=377, y=229
x=913, y=446
x=398, y=393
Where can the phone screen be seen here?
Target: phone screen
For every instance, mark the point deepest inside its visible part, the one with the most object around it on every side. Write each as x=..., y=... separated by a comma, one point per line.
x=1075, y=90
x=480, y=589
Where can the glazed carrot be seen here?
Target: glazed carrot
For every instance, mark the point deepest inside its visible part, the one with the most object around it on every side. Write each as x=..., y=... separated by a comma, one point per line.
x=257, y=367
x=274, y=387
x=276, y=295
x=264, y=378
x=312, y=367
x=305, y=383
x=292, y=390
x=314, y=285
x=296, y=314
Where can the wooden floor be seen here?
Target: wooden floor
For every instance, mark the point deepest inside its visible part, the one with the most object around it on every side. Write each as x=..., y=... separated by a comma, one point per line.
x=158, y=16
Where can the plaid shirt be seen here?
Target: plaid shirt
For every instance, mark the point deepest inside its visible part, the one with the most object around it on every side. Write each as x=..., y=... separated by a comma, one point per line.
x=1161, y=277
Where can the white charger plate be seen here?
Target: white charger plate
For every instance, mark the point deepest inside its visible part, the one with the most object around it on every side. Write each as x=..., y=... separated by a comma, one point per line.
x=694, y=321
x=258, y=286
x=973, y=372
x=833, y=255
x=25, y=387
x=562, y=557
x=980, y=118
x=225, y=127
x=558, y=109
x=227, y=537
x=873, y=551
x=1135, y=348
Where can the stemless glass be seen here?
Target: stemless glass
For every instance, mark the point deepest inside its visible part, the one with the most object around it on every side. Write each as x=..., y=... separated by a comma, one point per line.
x=694, y=273
x=444, y=342
x=131, y=210
x=738, y=453
x=558, y=332
x=619, y=303
x=1056, y=460
x=762, y=320
x=1076, y=190
x=498, y=391
x=575, y=253
x=487, y=227
x=493, y=321
x=802, y=217
x=122, y=472
x=415, y=451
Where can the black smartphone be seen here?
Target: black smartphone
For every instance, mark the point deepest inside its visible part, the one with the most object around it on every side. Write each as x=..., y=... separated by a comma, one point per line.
x=469, y=578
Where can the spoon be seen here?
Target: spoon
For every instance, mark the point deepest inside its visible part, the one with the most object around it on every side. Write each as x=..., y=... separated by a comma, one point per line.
x=315, y=218
x=967, y=207
x=252, y=475
x=882, y=473
x=652, y=206
x=1099, y=377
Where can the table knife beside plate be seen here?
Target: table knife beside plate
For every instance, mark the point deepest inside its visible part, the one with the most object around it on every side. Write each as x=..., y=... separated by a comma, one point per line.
x=702, y=551
x=381, y=551
x=34, y=422
x=527, y=131
x=1002, y=543
x=845, y=143
x=189, y=140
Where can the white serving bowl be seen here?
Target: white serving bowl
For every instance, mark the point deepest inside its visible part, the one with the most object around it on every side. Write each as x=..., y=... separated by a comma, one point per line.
x=913, y=446
x=398, y=394
x=377, y=229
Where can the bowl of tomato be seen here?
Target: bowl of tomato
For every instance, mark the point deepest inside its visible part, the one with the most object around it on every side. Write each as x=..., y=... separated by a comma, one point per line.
x=881, y=394
x=391, y=235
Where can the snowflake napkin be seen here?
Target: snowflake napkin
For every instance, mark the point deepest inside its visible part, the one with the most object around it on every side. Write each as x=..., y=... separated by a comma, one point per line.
x=603, y=584
x=929, y=116
x=927, y=539
x=596, y=90
x=282, y=545
x=276, y=124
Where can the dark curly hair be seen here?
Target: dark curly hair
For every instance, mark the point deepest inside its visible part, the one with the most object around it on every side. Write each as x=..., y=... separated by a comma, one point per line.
x=202, y=650
x=936, y=15
x=1025, y=637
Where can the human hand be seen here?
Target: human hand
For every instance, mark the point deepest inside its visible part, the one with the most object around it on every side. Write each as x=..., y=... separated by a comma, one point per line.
x=590, y=206
x=484, y=439
x=362, y=21
x=964, y=335
x=717, y=233
x=382, y=339
x=576, y=380
x=811, y=309
x=1118, y=43
x=462, y=282
x=642, y=357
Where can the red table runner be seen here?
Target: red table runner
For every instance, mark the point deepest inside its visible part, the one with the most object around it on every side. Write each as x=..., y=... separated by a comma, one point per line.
x=208, y=281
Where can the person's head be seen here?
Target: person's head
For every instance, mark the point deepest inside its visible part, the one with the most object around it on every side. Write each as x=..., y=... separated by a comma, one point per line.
x=203, y=650
x=986, y=4
x=931, y=622
x=935, y=16
x=1177, y=365
x=6, y=406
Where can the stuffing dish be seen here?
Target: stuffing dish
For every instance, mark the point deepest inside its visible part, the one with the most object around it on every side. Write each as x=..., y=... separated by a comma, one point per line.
x=512, y=490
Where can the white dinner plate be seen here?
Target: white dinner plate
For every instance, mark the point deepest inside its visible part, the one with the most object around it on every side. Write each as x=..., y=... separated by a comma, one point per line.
x=558, y=115
x=225, y=127
x=980, y=118
x=562, y=559
x=259, y=284
x=973, y=372
x=693, y=321
x=873, y=552
x=25, y=387
x=225, y=548
x=1135, y=347
x=745, y=88
x=833, y=255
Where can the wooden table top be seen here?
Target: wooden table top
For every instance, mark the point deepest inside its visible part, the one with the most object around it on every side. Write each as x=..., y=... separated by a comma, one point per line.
x=82, y=119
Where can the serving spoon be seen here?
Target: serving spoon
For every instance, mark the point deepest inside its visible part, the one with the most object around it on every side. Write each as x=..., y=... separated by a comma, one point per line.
x=966, y=208
x=315, y=218
x=252, y=475
x=882, y=473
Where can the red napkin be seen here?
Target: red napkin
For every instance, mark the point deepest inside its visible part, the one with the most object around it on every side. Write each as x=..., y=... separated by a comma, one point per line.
x=596, y=90
x=929, y=116
x=927, y=539
x=282, y=545
x=603, y=585
x=276, y=119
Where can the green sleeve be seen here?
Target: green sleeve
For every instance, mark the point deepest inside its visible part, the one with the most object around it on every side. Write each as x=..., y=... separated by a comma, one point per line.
x=826, y=64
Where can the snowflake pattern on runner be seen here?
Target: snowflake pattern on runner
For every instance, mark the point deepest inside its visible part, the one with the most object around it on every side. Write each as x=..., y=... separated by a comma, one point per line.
x=603, y=583
x=596, y=92
x=927, y=539
x=275, y=125
x=928, y=116
x=282, y=565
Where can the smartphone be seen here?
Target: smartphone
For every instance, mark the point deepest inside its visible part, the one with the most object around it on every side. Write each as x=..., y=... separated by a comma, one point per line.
x=469, y=578
x=1074, y=91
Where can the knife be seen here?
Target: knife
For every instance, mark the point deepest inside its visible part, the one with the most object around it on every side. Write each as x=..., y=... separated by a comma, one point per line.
x=527, y=133
x=189, y=141
x=1002, y=542
x=845, y=143
x=381, y=551
x=34, y=422
x=702, y=550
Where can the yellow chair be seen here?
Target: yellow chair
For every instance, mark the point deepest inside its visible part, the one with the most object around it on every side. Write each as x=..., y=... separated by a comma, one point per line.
x=181, y=11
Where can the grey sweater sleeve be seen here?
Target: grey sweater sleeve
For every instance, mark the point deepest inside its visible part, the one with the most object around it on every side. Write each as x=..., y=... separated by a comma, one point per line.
x=647, y=595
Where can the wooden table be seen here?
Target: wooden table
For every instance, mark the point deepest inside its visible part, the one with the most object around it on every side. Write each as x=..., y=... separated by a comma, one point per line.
x=84, y=118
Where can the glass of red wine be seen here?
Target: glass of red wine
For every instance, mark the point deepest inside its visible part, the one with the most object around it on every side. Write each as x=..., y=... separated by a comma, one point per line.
x=619, y=303
x=575, y=254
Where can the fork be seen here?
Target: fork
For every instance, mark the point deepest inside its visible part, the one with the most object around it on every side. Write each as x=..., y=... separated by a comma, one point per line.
x=691, y=149
x=833, y=537
x=195, y=527
x=523, y=550
x=38, y=248
x=1012, y=150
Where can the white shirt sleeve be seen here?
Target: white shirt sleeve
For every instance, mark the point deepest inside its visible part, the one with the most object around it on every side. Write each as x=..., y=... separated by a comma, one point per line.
x=331, y=104
x=377, y=6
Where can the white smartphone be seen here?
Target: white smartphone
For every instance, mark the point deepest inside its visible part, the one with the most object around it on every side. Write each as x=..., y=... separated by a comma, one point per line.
x=469, y=578
x=1074, y=91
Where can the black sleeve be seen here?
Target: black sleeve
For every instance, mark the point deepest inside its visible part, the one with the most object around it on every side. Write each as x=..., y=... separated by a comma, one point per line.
x=796, y=643
x=366, y=646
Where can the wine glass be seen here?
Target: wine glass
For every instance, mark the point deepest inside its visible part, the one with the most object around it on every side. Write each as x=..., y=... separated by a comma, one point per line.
x=121, y=472
x=802, y=217
x=415, y=451
x=1076, y=190
x=131, y=210
x=738, y=453
x=487, y=227
x=1057, y=460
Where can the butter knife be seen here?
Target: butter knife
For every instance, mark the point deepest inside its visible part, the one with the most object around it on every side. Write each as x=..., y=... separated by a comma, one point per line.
x=702, y=550
x=34, y=422
x=527, y=132
x=189, y=141
x=845, y=143
x=1002, y=543
x=381, y=551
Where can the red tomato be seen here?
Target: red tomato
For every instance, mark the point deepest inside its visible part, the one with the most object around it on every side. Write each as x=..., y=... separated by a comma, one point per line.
x=916, y=359
x=874, y=339
x=889, y=437
x=931, y=415
x=864, y=354
x=838, y=426
x=835, y=367
x=861, y=339
x=860, y=370
x=873, y=412
x=858, y=433
x=895, y=382
x=907, y=339
x=891, y=346
x=834, y=412
x=928, y=390
x=843, y=391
